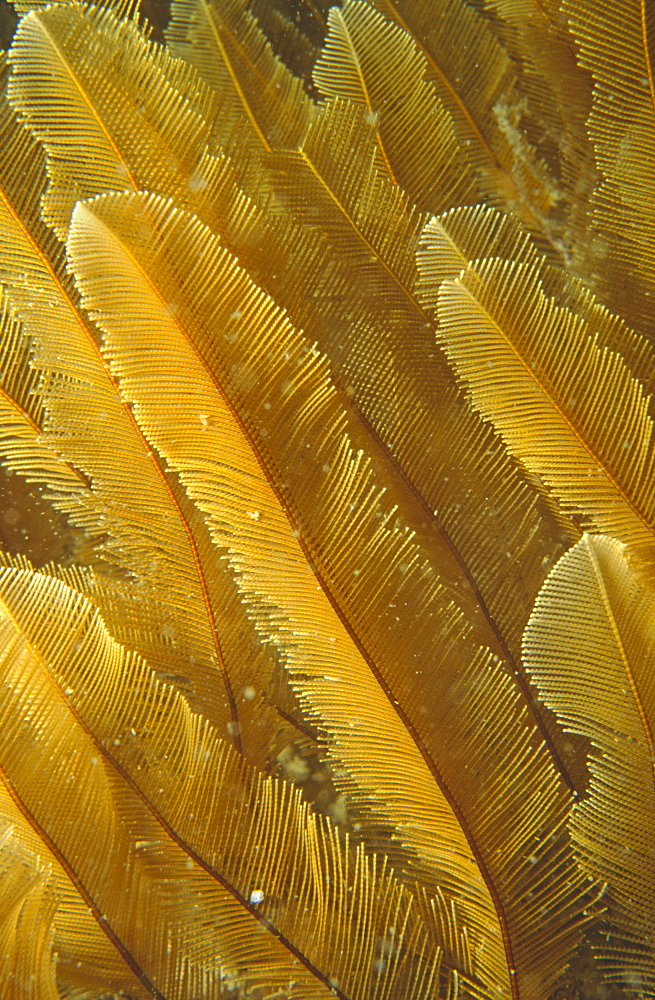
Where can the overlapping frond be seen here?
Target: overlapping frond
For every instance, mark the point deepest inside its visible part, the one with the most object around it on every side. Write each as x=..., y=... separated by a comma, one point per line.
x=254, y=874
x=616, y=46
x=602, y=685
x=376, y=64
x=28, y=903
x=474, y=76
x=556, y=91
x=285, y=28
x=566, y=404
x=85, y=959
x=311, y=682
x=86, y=787
x=324, y=486
x=260, y=103
x=393, y=336
x=230, y=474
x=80, y=397
x=81, y=78
x=20, y=429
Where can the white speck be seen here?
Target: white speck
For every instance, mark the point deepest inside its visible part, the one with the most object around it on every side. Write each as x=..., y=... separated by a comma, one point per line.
x=254, y=514
x=249, y=692
x=196, y=182
x=256, y=896
x=237, y=314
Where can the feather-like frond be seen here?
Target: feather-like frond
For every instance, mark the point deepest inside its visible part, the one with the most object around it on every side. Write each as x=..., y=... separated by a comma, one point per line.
x=475, y=78
x=602, y=685
x=556, y=101
x=28, y=902
x=394, y=333
x=565, y=403
x=376, y=64
x=79, y=399
x=71, y=946
x=105, y=73
x=162, y=791
x=311, y=682
x=21, y=445
x=237, y=362
x=260, y=102
x=228, y=473
x=616, y=44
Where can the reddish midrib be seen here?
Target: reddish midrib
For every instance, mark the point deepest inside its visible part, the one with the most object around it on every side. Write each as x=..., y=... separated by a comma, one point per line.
x=177, y=840
x=425, y=319
x=94, y=909
x=151, y=456
x=350, y=630
x=149, y=452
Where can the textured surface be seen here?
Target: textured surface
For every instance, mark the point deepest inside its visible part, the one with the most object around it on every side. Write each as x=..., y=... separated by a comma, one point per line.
x=327, y=514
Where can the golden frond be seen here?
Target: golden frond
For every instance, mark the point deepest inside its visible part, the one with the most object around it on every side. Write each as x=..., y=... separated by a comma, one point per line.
x=602, y=686
x=162, y=792
x=141, y=239
x=105, y=73
x=478, y=84
x=28, y=902
x=260, y=103
x=30, y=520
x=394, y=333
x=324, y=350
x=228, y=473
x=376, y=64
x=291, y=44
x=616, y=47
x=556, y=95
x=79, y=399
x=566, y=404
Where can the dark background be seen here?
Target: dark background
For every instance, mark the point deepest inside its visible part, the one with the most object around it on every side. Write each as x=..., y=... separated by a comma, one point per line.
x=7, y=23
x=155, y=10
x=308, y=15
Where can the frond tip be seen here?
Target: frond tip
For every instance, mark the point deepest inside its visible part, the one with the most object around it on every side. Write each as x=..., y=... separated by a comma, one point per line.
x=590, y=647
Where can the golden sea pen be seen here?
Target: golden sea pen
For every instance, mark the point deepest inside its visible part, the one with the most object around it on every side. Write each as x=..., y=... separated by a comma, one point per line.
x=326, y=457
